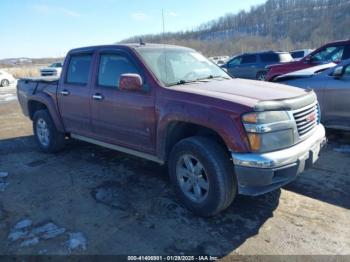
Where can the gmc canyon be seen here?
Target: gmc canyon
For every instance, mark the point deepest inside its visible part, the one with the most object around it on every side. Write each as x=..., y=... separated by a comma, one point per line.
x=219, y=136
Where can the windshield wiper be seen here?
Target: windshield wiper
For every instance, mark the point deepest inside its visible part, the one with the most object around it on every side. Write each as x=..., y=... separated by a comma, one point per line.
x=182, y=82
x=212, y=77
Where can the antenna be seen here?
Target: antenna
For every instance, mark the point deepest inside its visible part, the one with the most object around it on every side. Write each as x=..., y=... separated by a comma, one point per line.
x=163, y=26
x=164, y=52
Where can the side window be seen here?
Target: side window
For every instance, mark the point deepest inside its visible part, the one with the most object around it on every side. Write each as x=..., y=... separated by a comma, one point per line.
x=269, y=58
x=347, y=70
x=248, y=59
x=79, y=69
x=328, y=54
x=236, y=61
x=346, y=53
x=111, y=67
x=297, y=54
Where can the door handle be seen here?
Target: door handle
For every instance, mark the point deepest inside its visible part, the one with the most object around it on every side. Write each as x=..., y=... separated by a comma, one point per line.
x=65, y=92
x=98, y=97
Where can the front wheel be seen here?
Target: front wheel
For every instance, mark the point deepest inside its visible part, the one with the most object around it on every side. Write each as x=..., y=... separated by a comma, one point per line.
x=48, y=138
x=202, y=175
x=261, y=76
x=5, y=83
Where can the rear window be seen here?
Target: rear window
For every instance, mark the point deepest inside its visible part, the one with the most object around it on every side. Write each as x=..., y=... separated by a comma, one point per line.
x=79, y=69
x=269, y=58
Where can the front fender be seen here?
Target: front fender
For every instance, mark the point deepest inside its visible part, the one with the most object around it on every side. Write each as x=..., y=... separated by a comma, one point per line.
x=226, y=124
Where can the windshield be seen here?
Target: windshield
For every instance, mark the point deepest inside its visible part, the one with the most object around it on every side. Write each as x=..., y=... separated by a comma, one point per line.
x=178, y=66
x=55, y=65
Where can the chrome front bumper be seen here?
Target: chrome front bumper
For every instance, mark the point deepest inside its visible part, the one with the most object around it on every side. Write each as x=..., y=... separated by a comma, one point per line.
x=261, y=173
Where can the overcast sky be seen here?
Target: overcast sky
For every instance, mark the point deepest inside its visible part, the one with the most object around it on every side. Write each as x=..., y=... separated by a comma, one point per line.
x=49, y=28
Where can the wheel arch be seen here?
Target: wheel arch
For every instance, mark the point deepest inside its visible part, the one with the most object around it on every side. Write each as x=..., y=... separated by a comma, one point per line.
x=178, y=130
x=41, y=103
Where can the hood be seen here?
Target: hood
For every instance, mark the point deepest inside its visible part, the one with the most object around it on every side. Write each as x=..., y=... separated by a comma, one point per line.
x=241, y=91
x=50, y=68
x=308, y=72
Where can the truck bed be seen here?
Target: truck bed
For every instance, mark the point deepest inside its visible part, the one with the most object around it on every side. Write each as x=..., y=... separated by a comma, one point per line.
x=27, y=87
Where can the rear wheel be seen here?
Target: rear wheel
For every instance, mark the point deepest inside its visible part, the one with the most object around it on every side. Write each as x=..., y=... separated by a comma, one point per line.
x=5, y=83
x=202, y=175
x=48, y=138
x=261, y=76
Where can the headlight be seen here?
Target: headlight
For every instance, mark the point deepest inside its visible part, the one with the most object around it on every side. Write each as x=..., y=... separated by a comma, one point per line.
x=269, y=131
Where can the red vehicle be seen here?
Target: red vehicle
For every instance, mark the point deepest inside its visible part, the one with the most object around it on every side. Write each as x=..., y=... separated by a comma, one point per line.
x=219, y=136
x=331, y=52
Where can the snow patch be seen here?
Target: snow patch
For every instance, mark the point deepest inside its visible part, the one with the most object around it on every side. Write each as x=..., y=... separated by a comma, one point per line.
x=76, y=241
x=3, y=182
x=25, y=234
x=7, y=97
x=30, y=242
x=3, y=174
x=23, y=224
x=3, y=185
x=23, y=230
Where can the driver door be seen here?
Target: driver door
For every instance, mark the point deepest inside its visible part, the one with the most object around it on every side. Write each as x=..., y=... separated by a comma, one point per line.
x=120, y=117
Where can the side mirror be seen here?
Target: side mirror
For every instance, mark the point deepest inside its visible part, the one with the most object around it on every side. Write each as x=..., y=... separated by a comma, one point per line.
x=130, y=82
x=338, y=72
x=308, y=60
x=225, y=69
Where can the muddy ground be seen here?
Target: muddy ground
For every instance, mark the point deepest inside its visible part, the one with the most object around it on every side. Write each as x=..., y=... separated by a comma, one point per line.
x=91, y=200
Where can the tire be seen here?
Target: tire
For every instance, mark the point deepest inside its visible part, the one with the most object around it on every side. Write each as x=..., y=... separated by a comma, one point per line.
x=48, y=138
x=261, y=76
x=5, y=83
x=217, y=172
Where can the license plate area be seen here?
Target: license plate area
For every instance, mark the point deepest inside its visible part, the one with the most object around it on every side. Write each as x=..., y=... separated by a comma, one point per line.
x=315, y=151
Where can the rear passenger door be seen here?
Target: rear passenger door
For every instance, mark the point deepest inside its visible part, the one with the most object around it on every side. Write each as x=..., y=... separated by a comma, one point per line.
x=74, y=94
x=247, y=67
x=120, y=117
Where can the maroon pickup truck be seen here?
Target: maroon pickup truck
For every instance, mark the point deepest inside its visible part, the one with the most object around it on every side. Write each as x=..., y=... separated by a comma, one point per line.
x=219, y=136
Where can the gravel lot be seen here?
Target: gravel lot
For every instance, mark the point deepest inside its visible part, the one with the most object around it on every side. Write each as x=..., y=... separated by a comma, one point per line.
x=91, y=200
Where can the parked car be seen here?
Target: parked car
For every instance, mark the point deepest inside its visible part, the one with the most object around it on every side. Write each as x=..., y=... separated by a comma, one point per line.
x=219, y=60
x=253, y=65
x=332, y=86
x=219, y=136
x=331, y=52
x=52, y=70
x=299, y=54
x=6, y=79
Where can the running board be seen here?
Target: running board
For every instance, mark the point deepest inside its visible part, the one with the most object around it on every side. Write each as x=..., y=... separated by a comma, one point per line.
x=118, y=148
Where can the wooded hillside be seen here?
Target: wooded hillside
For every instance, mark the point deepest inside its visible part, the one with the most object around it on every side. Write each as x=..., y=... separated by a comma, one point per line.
x=277, y=24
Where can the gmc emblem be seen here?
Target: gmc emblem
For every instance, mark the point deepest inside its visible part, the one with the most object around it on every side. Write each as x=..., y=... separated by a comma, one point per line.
x=310, y=117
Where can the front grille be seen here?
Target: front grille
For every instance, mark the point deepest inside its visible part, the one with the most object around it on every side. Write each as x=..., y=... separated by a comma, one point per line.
x=306, y=119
